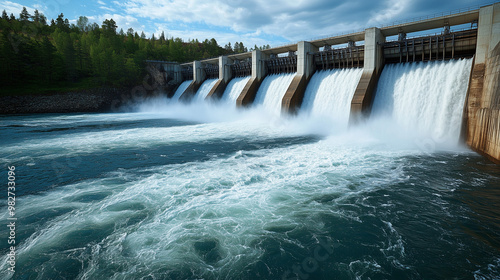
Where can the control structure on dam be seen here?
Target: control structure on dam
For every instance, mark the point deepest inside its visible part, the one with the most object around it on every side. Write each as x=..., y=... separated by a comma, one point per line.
x=471, y=33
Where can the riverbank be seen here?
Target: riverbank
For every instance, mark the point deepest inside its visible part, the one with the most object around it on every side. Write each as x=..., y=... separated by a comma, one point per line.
x=88, y=100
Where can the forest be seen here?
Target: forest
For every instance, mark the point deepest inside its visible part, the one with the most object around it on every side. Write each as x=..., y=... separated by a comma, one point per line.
x=38, y=55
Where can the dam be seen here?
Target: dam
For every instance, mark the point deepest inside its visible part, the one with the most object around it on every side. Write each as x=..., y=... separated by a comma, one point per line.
x=370, y=51
x=336, y=158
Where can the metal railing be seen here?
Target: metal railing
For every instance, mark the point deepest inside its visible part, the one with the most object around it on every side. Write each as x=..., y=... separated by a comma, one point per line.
x=433, y=34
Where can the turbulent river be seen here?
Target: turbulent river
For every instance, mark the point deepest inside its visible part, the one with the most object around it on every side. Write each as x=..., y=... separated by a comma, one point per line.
x=206, y=191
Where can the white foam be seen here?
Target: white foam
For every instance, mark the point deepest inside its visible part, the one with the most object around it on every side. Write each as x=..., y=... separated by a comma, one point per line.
x=272, y=90
x=204, y=90
x=329, y=94
x=180, y=90
x=155, y=220
x=234, y=89
x=427, y=97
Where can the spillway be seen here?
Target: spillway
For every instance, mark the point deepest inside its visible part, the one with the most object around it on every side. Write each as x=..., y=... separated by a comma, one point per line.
x=425, y=96
x=234, y=89
x=329, y=94
x=180, y=90
x=272, y=90
x=204, y=90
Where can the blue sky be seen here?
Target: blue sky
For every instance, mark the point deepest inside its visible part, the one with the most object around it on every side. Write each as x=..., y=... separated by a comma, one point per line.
x=249, y=21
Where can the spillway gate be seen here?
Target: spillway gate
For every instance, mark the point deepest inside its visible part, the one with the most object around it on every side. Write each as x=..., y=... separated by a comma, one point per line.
x=461, y=44
x=285, y=64
x=349, y=57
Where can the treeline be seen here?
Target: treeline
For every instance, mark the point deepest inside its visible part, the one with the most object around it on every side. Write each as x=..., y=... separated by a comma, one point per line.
x=35, y=51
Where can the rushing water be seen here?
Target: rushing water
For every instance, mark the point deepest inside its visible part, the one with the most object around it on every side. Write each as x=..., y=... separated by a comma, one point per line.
x=180, y=90
x=234, y=89
x=329, y=94
x=204, y=90
x=206, y=191
x=272, y=90
x=427, y=96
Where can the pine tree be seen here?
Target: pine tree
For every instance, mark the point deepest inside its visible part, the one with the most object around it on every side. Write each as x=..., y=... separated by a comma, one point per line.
x=162, y=37
x=60, y=21
x=36, y=17
x=109, y=27
x=82, y=23
x=43, y=20
x=24, y=16
x=228, y=48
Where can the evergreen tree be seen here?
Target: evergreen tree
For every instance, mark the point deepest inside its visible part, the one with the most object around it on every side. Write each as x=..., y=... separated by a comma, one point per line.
x=87, y=51
x=60, y=21
x=82, y=23
x=36, y=17
x=162, y=37
x=24, y=16
x=109, y=27
x=228, y=48
x=43, y=20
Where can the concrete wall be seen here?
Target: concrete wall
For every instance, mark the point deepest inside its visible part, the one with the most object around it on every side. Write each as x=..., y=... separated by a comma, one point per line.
x=482, y=110
x=249, y=92
x=374, y=62
x=225, y=76
x=292, y=100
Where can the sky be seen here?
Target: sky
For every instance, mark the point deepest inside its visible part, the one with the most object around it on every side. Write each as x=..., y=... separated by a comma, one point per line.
x=253, y=22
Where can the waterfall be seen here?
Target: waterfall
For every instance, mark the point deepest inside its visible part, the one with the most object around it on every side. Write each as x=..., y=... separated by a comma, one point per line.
x=329, y=94
x=204, y=90
x=272, y=90
x=180, y=90
x=424, y=96
x=234, y=89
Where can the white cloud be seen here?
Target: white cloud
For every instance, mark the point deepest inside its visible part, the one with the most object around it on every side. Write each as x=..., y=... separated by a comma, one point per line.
x=122, y=21
x=394, y=10
x=15, y=8
x=107, y=9
x=249, y=39
x=101, y=3
x=294, y=20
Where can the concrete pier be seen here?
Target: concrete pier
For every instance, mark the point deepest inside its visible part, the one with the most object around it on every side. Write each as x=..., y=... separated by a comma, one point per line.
x=199, y=77
x=481, y=130
x=225, y=76
x=305, y=69
x=249, y=92
x=373, y=64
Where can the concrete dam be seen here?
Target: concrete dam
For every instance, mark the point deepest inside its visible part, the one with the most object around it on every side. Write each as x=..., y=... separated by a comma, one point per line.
x=446, y=83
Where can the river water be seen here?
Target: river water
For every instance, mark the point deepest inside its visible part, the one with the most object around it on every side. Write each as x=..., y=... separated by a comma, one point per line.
x=208, y=191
